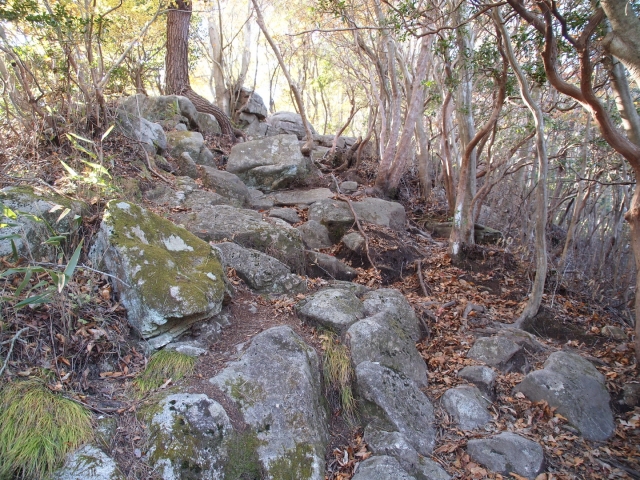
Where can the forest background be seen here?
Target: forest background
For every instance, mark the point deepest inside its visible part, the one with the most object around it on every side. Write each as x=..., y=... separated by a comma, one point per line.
x=519, y=115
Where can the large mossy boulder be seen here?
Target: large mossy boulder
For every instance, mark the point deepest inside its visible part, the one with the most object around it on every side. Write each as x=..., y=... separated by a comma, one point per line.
x=271, y=163
x=276, y=386
x=167, y=278
x=39, y=215
x=188, y=437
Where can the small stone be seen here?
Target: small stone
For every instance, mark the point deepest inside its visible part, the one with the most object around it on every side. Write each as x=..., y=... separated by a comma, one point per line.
x=354, y=242
x=482, y=377
x=616, y=333
x=508, y=452
x=349, y=187
x=499, y=352
x=314, y=235
x=467, y=406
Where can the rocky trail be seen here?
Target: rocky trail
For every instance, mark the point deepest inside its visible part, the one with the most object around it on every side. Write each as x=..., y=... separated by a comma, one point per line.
x=329, y=339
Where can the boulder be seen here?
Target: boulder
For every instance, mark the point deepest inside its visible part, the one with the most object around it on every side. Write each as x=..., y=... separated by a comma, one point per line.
x=468, y=406
x=288, y=123
x=248, y=101
x=506, y=453
x=168, y=111
x=150, y=135
x=28, y=233
x=89, y=462
x=381, y=467
x=301, y=197
x=187, y=195
x=277, y=388
x=572, y=384
x=380, y=389
x=499, y=352
x=314, y=235
x=247, y=228
x=192, y=143
x=375, y=339
x=259, y=200
x=337, y=217
x=187, y=437
x=271, y=163
x=186, y=166
x=395, y=445
x=349, y=187
x=207, y=124
x=262, y=273
x=334, y=309
x=327, y=266
x=327, y=141
x=226, y=184
x=482, y=377
x=167, y=278
x=400, y=313
x=354, y=242
x=287, y=214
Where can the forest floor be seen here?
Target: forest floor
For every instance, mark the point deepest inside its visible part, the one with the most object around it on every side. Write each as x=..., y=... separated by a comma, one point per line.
x=84, y=338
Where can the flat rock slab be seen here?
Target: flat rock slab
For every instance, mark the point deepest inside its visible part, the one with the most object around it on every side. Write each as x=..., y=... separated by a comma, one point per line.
x=226, y=184
x=167, y=277
x=394, y=303
x=381, y=390
x=377, y=339
x=394, y=444
x=186, y=437
x=314, y=235
x=482, y=377
x=89, y=462
x=247, y=228
x=508, y=452
x=468, y=406
x=381, y=468
x=301, y=197
x=287, y=214
x=187, y=195
x=277, y=387
x=574, y=386
x=271, y=163
x=327, y=266
x=334, y=309
x=499, y=352
x=262, y=273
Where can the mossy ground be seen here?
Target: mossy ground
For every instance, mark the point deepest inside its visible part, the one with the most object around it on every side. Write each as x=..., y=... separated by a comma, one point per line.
x=38, y=428
x=162, y=366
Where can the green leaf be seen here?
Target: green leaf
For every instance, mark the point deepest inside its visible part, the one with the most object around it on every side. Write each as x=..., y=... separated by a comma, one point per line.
x=39, y=299
x=106, y=134
x=7, y=212
x=14, y=236
x=71, y=171
x=24, y=283
x=64, y=213
x=55, y=240
x=13, y=271
x=79, y=138
x=98, y=168
x=71, y=266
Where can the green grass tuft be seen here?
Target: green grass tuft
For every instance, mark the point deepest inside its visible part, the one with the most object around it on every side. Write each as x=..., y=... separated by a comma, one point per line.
x=338, y=373
x=164, y=365
x=38, y=428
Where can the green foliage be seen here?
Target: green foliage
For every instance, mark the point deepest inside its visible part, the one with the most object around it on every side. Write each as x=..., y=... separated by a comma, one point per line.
x=338, y=372
x=37, y=429
x=164, y=365
x=94, y=174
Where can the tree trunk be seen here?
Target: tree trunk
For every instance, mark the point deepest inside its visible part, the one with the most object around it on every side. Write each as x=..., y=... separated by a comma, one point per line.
x=623, y=41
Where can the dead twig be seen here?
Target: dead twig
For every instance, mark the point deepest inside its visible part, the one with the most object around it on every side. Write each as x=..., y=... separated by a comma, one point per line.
x=355, y=216
x=12, y=342
x=423, y=285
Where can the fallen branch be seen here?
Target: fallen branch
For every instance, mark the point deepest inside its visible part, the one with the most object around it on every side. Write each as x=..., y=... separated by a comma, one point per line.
x=425, y=291
x=12, y=342
x=355, y=216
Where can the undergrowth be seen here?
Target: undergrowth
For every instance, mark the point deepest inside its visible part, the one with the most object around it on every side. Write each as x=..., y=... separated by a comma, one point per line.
x=338, y=373
x=37, y=429
x=164, y=365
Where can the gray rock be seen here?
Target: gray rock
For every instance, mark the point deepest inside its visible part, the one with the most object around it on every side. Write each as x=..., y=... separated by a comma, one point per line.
x=30, y=234
x=482, y=377
x=337, y=217
x=396, y=305
x=318, y=153
x=354, y=242
x=271, y=163
x=631, y=395
x=380, y=388
x=327, y=266
x=192, y=348
x=327, y=141
x=302, y=197
x=277, y=387
x=499, y=352
x=186, y=437
x=286, y=214
x=168, y=278
x=375, y=339
x=167, y=110
x=259, y=200
x=250, y=102
x=186, y=165
x=288, y=123
x=395, y=445
x=355, y=288
x=616, y=333
x=181, y=127
x=259, y=271
x=207, y=124
x=574, y=386
x=150, y=135
x=349, y=187
x=226, y=184
x=468, y=406
x=506, y=453
x=247, y=228
x=89, y=462
x=192, y=143
x=314, y=235
x=381, y=468
x=187, y=194
x=335, y=309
